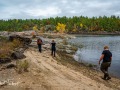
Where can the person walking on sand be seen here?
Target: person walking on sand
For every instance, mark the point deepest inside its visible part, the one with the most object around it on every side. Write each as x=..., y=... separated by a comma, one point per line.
x=39, y=43
x=53, y=48
x=106, y=59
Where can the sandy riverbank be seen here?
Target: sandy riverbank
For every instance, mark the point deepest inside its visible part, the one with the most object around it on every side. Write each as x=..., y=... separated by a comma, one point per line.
x=55, y=73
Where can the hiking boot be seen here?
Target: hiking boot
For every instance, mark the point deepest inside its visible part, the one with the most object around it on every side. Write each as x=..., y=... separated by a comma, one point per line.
x=108, y=78
x=104, y=78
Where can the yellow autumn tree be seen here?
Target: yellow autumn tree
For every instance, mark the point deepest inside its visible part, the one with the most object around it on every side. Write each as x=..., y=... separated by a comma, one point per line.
x=60, y=27
x=35, y=28
x=81, y=25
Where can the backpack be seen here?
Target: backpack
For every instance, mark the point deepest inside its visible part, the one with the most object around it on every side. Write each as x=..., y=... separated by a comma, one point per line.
x=39, y=41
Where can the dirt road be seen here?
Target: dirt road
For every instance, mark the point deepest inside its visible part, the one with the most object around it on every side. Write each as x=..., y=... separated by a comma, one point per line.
x=54, y=76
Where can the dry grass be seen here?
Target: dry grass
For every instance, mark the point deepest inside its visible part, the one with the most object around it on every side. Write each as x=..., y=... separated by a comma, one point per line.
x=7, y=47
x=22, y=66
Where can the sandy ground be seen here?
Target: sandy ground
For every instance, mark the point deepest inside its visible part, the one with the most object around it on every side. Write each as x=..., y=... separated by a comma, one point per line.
x=59, y=77
x=45, y=73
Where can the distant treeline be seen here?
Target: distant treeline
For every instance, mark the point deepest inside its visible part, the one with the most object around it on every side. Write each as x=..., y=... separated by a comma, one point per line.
x=72, y=24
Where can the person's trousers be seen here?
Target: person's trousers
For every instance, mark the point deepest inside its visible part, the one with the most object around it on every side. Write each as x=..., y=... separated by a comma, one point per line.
x=53, y=52
x=104, y=68
x=40, y=47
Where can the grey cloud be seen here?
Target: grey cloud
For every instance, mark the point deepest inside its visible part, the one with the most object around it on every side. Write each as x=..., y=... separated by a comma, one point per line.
x=20, y=8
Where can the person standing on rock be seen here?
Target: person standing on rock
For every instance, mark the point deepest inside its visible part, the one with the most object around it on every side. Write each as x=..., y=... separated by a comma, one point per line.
x=53, y=48
x=107, y=58
x=39, y=43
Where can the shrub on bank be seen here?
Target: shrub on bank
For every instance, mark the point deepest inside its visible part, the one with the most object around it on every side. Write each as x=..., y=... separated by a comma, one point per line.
x=7, y=47
x=22, y=66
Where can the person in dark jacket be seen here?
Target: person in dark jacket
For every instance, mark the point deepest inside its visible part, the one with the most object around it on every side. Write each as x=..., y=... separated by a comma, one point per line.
x=39, y=43
x=106, y=59
x=53, y=48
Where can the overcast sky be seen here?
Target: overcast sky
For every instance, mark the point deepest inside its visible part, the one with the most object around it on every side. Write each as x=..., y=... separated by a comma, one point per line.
x=22, y=9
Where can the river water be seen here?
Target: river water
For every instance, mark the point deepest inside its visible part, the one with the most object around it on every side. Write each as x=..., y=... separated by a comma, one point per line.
x=92, y=47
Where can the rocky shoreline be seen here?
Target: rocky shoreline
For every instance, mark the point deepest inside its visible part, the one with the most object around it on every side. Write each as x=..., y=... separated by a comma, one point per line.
x=97, y=33
x=64, y=58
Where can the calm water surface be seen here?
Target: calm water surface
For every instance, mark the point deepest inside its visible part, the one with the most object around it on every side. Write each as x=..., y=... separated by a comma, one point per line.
x=93, y=47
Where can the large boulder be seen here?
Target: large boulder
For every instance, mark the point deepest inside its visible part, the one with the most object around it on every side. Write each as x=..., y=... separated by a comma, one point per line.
x=25, y=40
x=18, y=55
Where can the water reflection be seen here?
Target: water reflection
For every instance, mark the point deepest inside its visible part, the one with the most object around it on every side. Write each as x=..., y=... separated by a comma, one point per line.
x=93, y=47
